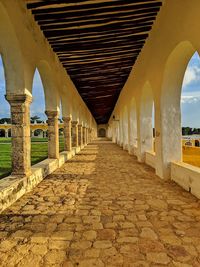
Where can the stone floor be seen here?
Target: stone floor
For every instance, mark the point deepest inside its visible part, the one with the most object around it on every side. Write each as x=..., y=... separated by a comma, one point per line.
x=102, y=208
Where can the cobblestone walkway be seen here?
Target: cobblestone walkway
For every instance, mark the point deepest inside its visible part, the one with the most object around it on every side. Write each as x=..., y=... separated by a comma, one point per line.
x=102, y=208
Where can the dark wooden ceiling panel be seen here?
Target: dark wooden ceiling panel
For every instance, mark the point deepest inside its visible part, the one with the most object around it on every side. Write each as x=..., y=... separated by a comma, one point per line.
x=98, y=42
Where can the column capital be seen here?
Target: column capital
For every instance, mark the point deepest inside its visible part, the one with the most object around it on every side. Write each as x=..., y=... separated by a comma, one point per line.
x=80, y=125
x=74, y=123
x=67, y=119
x=18, y=99
x=51, y=113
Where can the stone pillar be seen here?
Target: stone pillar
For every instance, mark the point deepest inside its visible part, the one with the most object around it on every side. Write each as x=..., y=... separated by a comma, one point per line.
x=21, y=143
x=32, y=133
x=67, y=133
x=87, y=141
x=84, y=135
x=6, y=133
x=80, y=135
x=53, y=134
x=75, y=133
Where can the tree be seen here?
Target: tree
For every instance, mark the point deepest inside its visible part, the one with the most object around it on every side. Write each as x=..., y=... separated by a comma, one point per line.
x=7, y=120
x=34, y=118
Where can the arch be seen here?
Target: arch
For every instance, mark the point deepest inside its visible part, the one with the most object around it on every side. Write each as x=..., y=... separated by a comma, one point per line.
x=2, y=133
x=171, y=134
x=11, y=55
x=37, y=108
x=38, y=133
x=61, y=131
x=125, y=128
x=197, y=143
x=49, y=85
x=102, y=132
x=188, y=143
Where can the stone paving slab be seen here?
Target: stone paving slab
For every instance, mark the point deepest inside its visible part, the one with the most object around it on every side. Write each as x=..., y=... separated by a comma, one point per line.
x=102, y=208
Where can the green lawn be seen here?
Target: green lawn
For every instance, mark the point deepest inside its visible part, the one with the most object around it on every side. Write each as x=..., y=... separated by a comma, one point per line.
x=39, y=152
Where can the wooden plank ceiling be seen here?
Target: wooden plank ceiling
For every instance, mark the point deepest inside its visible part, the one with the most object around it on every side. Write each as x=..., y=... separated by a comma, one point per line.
x=98, y=42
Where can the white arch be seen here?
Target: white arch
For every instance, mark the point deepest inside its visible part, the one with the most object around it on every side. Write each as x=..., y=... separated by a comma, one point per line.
x=49, y=85
x=171, y=145
x=11, y=55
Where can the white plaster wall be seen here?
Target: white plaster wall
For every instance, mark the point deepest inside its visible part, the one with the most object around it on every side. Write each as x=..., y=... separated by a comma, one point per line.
x=162, y=63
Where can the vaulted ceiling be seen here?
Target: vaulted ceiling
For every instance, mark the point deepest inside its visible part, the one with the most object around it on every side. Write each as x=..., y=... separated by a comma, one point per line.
x=98, y=42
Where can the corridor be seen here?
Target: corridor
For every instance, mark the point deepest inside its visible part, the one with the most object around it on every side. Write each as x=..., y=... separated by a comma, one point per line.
x=102, y=208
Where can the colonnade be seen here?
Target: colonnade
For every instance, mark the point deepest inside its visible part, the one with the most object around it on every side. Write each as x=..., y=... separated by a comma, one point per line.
x=75, y=134
x=24, y=50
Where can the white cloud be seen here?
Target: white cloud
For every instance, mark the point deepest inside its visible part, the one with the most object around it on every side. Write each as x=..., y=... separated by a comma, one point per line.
x=189, y=99
x=192, y=74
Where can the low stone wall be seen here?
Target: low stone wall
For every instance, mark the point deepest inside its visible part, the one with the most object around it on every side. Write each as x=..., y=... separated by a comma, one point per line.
x=186, y=176
x=150, y=158
x=12, y=188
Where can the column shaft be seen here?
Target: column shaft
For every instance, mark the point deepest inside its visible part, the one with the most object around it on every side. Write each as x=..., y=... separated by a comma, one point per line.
x=80, y=135
x=87, y=141
x=84, y=136
x=53, y=134
x=21, y=146
x=67, y=133
x=74, y=133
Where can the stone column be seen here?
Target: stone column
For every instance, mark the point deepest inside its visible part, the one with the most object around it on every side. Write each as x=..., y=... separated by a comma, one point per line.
x=6, y=133
x=67, y=133
x=84, y=135
x=87, y=141
x=75, y=133
x=32, y=133
x=21, y=143
x=80, y=135
x=53, y=134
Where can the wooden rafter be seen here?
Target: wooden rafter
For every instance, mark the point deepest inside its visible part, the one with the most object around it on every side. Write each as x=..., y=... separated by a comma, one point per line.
x=98, y=42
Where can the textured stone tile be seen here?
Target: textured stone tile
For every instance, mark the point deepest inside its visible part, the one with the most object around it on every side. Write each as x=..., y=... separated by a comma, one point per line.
x=102, y=208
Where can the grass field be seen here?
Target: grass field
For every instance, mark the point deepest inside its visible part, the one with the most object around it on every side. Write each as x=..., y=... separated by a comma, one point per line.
x=39, y=152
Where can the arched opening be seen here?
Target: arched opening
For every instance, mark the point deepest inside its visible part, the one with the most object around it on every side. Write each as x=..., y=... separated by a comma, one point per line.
x=197, y=143
x=2, y=133
x=39, y=142
x=125, y=129
x=61, y=130
x=190, y=110
x=39, y=133
x=102, y=132
x=170, y=111
x=5, y=140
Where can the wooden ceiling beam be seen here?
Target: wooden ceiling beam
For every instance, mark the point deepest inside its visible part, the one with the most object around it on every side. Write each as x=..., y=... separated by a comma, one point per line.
x=97, y=43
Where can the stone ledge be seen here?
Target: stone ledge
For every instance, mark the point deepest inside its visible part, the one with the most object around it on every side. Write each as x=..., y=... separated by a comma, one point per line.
x=187, y=176
x=13, y=187
x=150, y=158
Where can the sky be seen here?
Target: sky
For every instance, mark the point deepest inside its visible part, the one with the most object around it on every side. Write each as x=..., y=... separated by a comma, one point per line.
x=190, y=98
